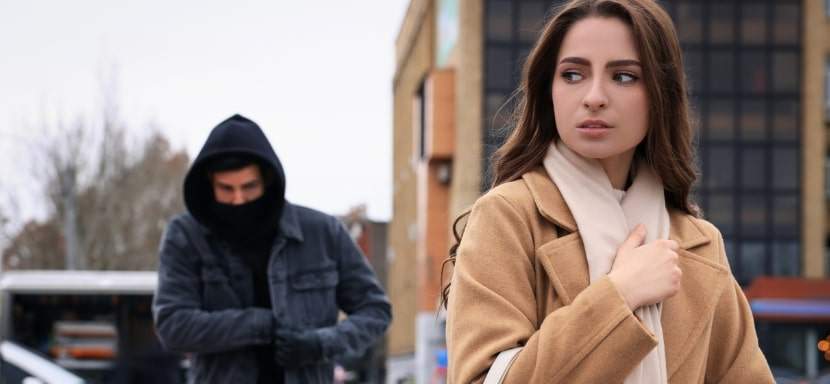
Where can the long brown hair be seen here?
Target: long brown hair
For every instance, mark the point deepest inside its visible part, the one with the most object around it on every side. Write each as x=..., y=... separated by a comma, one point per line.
x=667, y=147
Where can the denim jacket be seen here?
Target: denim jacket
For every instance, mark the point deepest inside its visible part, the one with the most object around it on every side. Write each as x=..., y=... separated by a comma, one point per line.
x=204, y=301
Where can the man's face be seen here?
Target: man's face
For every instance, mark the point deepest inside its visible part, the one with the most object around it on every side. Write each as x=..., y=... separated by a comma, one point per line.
x=238, y=186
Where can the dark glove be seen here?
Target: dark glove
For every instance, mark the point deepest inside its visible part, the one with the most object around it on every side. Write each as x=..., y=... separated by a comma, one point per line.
x=294, y=347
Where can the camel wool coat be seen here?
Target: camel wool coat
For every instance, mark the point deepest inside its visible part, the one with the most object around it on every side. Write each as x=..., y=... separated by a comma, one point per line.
x=521, y=279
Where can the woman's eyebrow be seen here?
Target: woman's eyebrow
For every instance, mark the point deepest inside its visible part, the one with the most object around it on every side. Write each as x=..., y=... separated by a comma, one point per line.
x=622, y=63
x=575, y=60
x=612, y=63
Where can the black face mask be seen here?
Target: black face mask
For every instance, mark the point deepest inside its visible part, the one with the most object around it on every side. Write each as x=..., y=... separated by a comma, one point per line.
x=252, y=221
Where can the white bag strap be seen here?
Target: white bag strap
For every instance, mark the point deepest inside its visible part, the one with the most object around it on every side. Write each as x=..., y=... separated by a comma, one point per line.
x=498, y=371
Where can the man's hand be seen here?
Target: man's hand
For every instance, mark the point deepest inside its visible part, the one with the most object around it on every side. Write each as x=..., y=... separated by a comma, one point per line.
x=294, y=347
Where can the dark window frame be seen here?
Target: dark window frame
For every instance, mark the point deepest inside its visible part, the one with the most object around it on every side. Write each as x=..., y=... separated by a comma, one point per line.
x=702, y=96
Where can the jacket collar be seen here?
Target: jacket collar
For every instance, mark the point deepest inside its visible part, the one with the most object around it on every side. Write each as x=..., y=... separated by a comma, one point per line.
x=290, y=223
x=552, y=206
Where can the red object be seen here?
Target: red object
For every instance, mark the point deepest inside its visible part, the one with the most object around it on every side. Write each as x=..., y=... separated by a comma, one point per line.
x=785, y=299
x=788, y=288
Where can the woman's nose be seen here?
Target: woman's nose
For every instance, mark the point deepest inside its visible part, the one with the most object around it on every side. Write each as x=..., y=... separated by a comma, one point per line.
x=595, y=99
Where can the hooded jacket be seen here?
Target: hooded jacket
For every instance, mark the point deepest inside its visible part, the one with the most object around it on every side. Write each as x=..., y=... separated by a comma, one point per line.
x=205, y=300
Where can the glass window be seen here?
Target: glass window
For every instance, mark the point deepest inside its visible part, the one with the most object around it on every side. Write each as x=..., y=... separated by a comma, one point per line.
x=827, y=90
x=721, y=25
x=729, y=245
x=419, y=122
x=721, y=213
x=720, y=168
x=531, y=19
x=785, y=120
x=498, y=113
x=693, y=62
x=743, y=64
x=721, y=71
x=499, y=20
x=753, y=23
x=488, y=151
x=753, y=260
x=785, y=258
x=689, y=22
x=785, y=168
x=752, y=120
x=524, y=53
x=721, y=119
x=827, y=251
x=785, y=72
x=827, y=177
x=499, y=68
x=786, y=26
x=753, y=72
x=753, y=216
x=753, y=168
x=785, y=216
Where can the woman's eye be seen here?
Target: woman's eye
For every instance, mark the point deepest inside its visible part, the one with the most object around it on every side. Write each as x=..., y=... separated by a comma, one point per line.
x=625, y=78
x=571, y=76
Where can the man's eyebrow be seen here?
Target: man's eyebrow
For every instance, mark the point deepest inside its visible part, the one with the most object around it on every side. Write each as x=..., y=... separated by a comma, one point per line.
x=611, y=64
x=252, y=183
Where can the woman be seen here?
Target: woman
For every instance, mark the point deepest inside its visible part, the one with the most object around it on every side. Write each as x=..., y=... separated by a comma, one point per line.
x=587, y=261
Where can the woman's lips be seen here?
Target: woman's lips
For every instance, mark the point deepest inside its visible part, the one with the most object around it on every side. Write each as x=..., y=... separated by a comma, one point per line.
x=593, y=131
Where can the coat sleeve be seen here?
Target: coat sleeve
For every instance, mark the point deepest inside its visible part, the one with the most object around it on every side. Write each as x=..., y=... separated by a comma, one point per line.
x=734, y=354
x=360, y=296
x=492, y=308
x=181, y=323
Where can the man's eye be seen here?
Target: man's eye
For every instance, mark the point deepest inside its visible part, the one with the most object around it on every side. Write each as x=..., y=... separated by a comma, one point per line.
x=625, y=78
x=572, y=76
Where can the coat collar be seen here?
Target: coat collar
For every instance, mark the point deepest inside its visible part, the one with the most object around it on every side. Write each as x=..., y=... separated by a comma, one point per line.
x=552, y=206
x=684, y=316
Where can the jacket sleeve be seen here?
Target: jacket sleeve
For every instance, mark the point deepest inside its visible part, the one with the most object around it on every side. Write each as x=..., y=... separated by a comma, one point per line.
x=360, y=296
x=181, y=323
x=734, y=354
x=492, y=308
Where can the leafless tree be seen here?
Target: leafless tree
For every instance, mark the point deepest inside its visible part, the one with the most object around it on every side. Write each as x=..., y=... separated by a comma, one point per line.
x=109, y=193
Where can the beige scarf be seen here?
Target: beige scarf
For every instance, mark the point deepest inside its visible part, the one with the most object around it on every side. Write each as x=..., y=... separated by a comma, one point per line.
x=605, y=217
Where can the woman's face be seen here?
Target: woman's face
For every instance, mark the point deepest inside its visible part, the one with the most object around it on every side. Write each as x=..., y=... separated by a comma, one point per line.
x=599, y=98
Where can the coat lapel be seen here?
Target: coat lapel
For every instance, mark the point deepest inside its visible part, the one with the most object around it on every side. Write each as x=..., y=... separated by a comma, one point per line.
x=684, y=316
x=563, y=258
x=687, y=314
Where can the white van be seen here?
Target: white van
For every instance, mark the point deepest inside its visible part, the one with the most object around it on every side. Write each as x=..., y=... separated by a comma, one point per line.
x=95, y=326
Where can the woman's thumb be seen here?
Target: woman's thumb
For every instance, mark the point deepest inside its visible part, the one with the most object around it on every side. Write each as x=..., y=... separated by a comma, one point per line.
x=635, y=238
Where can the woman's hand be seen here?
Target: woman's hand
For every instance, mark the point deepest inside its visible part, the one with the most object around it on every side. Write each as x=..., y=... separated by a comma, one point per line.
x=646, y=274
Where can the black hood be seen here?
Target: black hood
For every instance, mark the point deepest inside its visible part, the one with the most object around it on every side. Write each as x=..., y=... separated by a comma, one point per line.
x=237, y=135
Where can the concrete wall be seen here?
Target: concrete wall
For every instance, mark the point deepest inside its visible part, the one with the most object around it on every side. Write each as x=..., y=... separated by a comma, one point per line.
x=469, y=80
x=415, y=50
x=816, y=34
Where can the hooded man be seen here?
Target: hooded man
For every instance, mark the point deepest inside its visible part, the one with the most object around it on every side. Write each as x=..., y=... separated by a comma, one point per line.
x=251, y=284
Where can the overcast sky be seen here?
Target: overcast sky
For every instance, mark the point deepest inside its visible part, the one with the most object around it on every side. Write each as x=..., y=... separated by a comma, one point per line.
x=315, y=75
